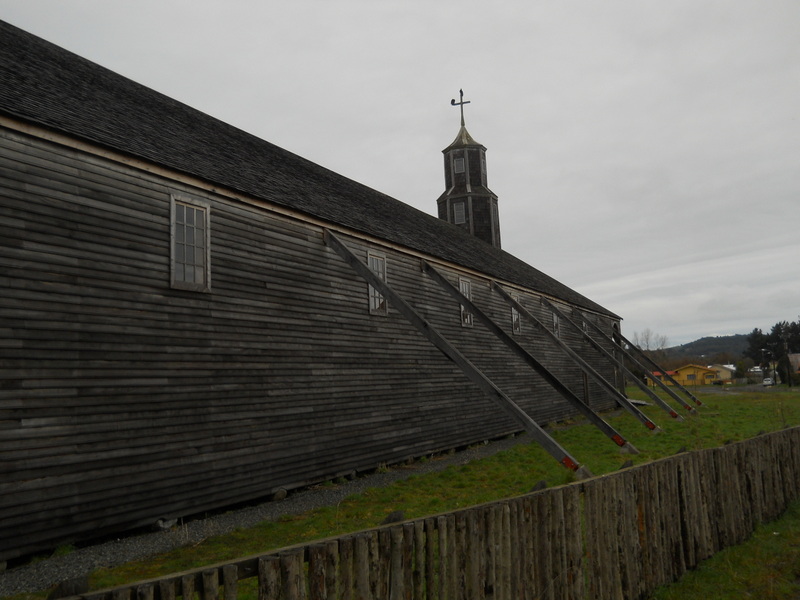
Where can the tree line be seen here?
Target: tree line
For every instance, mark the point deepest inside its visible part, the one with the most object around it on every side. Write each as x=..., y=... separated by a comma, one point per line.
x=771, y=350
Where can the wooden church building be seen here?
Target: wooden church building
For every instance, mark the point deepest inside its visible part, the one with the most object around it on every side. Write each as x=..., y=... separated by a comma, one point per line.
x=192, y=317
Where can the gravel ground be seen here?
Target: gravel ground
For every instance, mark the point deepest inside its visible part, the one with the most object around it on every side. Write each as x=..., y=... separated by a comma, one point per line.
x=43, y=574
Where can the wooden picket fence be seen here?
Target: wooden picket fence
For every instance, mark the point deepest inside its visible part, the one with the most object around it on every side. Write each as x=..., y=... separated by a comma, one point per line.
x=618, y=536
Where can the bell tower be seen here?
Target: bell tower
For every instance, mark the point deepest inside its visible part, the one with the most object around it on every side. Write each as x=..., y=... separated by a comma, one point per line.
x=467, y=201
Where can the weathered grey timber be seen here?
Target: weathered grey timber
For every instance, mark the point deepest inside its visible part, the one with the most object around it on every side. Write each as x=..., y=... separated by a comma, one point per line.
x=613, y=536
x=125, y=399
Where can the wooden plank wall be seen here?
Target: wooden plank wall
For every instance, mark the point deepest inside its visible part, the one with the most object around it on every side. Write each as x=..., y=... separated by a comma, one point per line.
x=618, y=536
x=123, y=401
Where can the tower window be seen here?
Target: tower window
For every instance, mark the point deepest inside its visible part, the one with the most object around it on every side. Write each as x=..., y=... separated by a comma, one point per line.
x=516, y=321
x=458, y=165
x=459, y=213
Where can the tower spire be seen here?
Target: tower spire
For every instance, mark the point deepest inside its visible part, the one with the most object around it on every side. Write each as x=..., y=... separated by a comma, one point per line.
x=467, y=201
x=460, y=104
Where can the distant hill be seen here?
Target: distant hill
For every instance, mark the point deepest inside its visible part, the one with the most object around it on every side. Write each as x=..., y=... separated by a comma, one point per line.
x=710, y=346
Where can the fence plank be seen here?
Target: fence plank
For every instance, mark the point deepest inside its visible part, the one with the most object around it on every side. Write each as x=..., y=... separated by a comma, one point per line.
x=269, y=578
x=361, y=563
x=317, y=563
x=145, y=592
x=420, y=560
x=397, y=581
x=431, y=560
x=346, y=574
x=292, y=579
x=573, y=542
x=166, y=589
x=513, y=546
x=409, y=541
x=210, y=587
x=230, y=582
x=188, y=587
x=331, y=568
x=380, y=547
x=444, y=559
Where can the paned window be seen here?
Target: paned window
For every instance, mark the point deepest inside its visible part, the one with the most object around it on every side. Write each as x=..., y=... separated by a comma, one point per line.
x=459, y=213
x=465, y=287
x=516, y=321
x=377, y=303
x=190, y=245
x=458, y=165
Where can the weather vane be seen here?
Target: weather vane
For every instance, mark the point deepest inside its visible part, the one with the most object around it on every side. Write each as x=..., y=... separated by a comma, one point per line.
x=460, y=104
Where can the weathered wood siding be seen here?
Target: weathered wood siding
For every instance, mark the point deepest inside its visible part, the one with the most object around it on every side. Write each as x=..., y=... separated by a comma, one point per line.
x=123, y=400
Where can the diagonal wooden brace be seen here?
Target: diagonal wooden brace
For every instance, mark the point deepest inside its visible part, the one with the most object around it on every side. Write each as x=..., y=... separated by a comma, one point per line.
x=446, y=348
x=613, y=360
x=576, y=358
x=531, y=361
x=647, y=372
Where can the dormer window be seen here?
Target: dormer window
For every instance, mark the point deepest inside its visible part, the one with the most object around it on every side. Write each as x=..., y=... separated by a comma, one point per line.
x=458, y=165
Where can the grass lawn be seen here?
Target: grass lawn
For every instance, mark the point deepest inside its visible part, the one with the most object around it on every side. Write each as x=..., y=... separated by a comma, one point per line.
x=773, y=556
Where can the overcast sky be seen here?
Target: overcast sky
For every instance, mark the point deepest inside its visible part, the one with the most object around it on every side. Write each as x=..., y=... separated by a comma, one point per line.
x=645, y=153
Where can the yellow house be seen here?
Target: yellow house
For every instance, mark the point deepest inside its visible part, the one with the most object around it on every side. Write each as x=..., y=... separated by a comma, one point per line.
x=694, y=375
x=724, y=372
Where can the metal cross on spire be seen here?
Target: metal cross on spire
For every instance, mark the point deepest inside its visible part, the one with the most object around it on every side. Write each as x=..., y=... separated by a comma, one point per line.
x=460, y=104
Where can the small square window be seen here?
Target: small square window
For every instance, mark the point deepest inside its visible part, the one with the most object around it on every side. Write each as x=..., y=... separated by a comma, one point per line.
x=190, y=247
x=377, y=303
x=459, y=213
x=465, y=287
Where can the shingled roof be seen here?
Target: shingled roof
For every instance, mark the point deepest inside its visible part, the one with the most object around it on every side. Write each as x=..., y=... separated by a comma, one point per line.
x=45, y=85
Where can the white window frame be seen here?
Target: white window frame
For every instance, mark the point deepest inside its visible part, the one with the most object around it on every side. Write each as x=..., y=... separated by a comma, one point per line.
x=377, y=302
x=465, y=287
x=556, y=325
x=459, y=212
x=179, y=242
x=459, y=165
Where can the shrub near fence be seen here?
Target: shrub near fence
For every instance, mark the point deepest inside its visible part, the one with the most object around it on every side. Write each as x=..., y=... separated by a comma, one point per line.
x=618, y=536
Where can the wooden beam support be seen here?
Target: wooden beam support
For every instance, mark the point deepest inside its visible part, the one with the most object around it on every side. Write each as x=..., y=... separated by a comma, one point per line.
x=669, y=377
x=576, y=358
x=613, y=360
x=446, y=348
x=512, y=344
x=647, y=372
